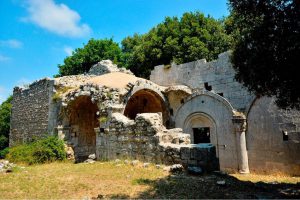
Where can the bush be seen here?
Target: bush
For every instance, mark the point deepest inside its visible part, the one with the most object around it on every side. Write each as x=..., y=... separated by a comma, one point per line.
x=41, y=151
x=3, y=153
x=3, y=142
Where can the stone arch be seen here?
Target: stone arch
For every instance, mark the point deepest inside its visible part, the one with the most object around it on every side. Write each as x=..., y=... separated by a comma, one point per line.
x=82, y=119
x=219, y=113
x=200, y=120
x=146, y=101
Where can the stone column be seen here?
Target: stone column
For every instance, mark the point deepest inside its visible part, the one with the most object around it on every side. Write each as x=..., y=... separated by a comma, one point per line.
x=239, y=122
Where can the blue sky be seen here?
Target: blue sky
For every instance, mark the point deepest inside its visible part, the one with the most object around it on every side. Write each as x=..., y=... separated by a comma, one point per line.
x=36, y=35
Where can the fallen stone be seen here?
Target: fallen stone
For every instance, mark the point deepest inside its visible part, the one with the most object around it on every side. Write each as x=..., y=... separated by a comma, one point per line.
x=157, y=166
x=176, y=168
x=89, y=161
x=92, y=157
x=146, y=165
x=134, y=162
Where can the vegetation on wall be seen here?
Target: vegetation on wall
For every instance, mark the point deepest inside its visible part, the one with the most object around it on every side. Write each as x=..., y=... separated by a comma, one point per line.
x=267, y=48
x=40, y=151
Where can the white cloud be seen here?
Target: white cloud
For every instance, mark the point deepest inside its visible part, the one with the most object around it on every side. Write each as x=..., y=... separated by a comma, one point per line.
x=56, y=18
x=68, y=50
x=4, y=58
x=12, y=43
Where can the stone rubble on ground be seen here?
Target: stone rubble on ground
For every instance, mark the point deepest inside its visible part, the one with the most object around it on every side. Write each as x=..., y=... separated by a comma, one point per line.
x=91, y=159
x=176, y=168
x=6, y=166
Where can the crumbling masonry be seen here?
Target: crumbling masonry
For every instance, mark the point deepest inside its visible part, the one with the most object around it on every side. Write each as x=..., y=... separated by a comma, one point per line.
x=193, y=114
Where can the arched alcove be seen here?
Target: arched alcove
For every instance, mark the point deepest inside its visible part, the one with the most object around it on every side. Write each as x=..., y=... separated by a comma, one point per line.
x=82, y=121
x=145, y=101
x=201, y=127
x=211, y=111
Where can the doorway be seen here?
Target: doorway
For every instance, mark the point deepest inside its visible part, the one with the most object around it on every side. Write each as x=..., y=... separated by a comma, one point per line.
x=201, y=135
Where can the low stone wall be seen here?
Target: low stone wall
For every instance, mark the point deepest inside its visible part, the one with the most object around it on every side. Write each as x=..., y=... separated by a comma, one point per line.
x=30, y=110
x=146, y=139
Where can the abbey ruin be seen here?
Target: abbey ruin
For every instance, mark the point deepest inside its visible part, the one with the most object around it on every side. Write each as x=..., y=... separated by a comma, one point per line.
x=192, y=114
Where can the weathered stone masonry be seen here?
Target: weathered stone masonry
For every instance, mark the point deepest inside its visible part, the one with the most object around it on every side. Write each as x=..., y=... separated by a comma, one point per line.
x=193, y=114
x=30, y=111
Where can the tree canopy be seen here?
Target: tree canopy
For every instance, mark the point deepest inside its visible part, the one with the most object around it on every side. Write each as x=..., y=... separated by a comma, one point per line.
x=82, y=59
x=189, y=38
x=267, y=48
x=179, y=40
x=5, y=109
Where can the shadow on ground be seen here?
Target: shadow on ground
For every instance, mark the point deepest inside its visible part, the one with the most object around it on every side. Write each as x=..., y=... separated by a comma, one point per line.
x=211, y=186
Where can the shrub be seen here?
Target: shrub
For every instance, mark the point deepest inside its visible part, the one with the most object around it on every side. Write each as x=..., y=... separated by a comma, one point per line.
x=41, y=151
x=3, y=153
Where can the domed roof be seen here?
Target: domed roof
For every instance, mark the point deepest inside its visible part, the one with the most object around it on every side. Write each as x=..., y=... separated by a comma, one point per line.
x=114, y=79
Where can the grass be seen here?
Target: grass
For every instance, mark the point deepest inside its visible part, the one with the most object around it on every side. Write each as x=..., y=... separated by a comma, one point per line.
x=65, y=180
x=68, y=180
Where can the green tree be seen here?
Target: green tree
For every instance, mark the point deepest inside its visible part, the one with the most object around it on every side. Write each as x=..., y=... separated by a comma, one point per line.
x=189, y=38
x=267, y=47
x=5, y=110
x=84, y=58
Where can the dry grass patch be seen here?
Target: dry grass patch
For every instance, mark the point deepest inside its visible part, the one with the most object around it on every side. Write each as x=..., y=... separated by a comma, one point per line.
x=120, y=180
x=68, y=180
x=267, y=178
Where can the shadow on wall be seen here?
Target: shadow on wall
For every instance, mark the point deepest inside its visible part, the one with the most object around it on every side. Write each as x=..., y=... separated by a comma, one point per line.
x=83, y=120
x=210, y=186
x=145, y=101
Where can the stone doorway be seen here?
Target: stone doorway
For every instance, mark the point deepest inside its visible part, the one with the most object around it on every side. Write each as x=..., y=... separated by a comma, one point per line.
x=83, y=119
x=201, y=135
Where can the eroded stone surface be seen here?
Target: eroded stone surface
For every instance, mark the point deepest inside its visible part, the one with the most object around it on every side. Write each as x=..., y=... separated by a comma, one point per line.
x=115, y=115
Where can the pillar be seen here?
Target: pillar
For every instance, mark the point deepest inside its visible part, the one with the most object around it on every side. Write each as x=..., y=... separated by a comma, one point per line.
x=239, y=122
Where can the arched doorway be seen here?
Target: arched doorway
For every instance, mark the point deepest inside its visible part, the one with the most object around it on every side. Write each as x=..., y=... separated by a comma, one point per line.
x=83, y=120
x=210, y=110
x=201, y=127
x=145, y=101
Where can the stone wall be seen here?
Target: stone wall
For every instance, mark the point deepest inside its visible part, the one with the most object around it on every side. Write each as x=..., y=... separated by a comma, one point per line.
x=268, y=150
x=146, y=139
x=216, y=75
x=30, y=108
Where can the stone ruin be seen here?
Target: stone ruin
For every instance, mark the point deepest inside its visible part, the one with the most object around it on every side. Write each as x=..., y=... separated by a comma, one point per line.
x=194, y=114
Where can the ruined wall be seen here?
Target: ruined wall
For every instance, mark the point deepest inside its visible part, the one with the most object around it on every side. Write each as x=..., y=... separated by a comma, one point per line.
x=267, y=150
x=30, y=111
x=146, y=139
x=218, y=74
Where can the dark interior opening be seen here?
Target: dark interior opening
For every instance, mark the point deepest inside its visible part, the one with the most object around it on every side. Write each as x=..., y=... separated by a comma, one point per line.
x=83, y=120
x=201, y=135
x=285, y=136
x=145, y=101
x=207, y=87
